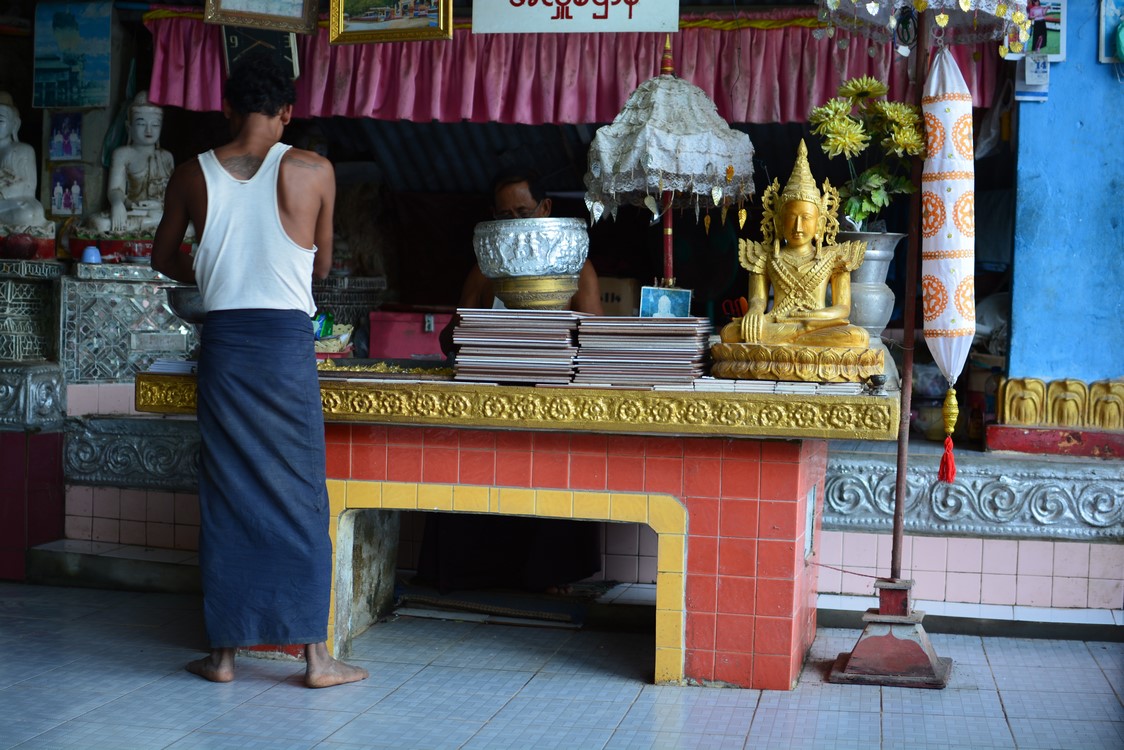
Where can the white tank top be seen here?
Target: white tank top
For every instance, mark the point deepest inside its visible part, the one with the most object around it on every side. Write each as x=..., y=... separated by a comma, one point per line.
x=245, y=259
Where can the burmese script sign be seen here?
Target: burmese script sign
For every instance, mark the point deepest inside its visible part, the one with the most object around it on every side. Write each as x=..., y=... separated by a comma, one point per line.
x=562, y=16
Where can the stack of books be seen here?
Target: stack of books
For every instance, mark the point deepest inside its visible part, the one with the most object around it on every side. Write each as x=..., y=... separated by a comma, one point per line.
x=515, y=346
x=625, y=351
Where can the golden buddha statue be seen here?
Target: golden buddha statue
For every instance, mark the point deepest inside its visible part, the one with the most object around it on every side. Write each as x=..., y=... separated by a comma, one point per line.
x=801, y=337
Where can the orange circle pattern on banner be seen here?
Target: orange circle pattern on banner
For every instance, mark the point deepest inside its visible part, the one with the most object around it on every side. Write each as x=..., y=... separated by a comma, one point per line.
x=962, y=137
x=964, y=214
x=966, y=297
x=934, y=134
x=935, y=297
x=932, y=213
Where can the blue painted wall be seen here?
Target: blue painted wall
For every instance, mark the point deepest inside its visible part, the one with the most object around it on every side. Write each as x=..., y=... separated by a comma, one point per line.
x=1067, y=317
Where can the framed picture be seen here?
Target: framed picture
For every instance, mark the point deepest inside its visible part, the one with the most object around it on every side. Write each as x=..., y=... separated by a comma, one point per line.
x=65, y=140
x=72, y=51
x=279, y=15
x=352, y=21
x=67, y=185
x=1111, y=45
x=1047, y=30
x=664, y=302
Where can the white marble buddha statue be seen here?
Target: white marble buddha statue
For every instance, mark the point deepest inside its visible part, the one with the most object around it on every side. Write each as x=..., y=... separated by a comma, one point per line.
x=19, y=174
x=138, y=175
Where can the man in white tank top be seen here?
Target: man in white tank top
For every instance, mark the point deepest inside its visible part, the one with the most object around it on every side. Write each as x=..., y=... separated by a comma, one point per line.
x=272, y=233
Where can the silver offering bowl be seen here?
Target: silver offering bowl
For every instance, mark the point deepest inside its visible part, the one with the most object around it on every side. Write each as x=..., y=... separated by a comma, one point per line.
x=533, y=263
x=187, y=303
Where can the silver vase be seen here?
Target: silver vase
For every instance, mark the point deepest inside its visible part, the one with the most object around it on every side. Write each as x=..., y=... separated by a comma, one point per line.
x=872, y=301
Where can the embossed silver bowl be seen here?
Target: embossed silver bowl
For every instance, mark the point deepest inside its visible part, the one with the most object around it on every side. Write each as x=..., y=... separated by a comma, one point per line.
x=186, y=302
x=531, y=247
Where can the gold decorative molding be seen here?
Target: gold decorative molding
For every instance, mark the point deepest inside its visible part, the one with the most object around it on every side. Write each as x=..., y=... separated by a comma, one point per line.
x=574, y=409
x=807, y=364
x=1106, y=405
x=1064, y=403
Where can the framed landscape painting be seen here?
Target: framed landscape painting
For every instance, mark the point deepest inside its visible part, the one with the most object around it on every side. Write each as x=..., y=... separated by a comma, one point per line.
x=279, y=15
x=354, y=21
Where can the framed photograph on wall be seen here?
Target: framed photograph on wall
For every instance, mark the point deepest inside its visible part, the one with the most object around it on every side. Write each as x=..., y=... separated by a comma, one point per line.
x=68, y=182
x=72, y=52
x=1047, y=30
x=279, y=15
x=1111, y=46
x=353, y=21
x=65, y=140
x=664, y=302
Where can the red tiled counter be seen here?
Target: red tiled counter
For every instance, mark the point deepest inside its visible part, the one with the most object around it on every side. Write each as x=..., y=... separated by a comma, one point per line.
x=746, y=591
x=737, y=518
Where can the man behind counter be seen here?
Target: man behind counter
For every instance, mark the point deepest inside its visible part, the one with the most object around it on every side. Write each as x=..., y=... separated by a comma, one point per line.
x=519, y=195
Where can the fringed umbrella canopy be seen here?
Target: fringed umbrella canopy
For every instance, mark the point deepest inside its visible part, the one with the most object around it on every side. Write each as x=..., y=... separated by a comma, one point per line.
x=668, y=147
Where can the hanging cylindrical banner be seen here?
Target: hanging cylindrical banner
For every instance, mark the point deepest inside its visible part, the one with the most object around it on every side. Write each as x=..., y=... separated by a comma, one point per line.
x=948, y=227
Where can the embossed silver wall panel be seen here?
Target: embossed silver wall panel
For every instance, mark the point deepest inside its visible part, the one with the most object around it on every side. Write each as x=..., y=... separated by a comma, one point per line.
x=32, y=396
x=28, y=309
x=160, y=454
x=112, y=328
x=993, y=497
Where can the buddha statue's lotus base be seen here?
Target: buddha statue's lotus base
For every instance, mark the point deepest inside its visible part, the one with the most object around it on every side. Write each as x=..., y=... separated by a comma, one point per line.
x=808, y=364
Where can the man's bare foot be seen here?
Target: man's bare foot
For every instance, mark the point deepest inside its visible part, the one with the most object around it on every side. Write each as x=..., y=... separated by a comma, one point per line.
x=562, y=588
x=218, y=667
x=325, y=671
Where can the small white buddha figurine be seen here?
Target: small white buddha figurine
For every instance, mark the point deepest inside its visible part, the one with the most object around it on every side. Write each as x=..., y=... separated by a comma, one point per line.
x=138, y=175
x=19, y=172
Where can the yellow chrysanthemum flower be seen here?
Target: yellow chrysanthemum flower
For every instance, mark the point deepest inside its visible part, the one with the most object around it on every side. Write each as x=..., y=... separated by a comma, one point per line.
x=904, y=141
x=898, y=113
x=864, y=87
x=833, y=109
x=845, y=137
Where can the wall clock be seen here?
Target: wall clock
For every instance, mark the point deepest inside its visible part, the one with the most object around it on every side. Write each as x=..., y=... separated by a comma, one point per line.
x=238, y=41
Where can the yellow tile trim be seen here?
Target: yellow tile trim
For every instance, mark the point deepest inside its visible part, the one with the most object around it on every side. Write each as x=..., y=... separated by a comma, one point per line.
x=362, y=494
x=671, y=553
x=591, y=505
x=470, y=499
x=554, y=503
x=400, y=495
x=627, y=507
x=664, y=513
x=516, y=502
x=337, y=496
x=435, y=497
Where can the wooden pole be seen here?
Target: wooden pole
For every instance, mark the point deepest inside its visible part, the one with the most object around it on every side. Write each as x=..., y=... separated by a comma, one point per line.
x=668, y=251
x=913, y=257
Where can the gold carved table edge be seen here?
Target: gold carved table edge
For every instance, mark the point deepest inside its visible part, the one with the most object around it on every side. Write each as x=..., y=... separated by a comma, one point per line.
x=445, y=404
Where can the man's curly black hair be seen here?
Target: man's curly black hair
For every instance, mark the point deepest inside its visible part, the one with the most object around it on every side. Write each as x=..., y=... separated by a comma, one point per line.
x=258, y=84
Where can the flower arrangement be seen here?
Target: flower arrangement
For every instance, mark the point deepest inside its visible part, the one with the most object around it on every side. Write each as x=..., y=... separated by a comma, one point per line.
x=850, y=125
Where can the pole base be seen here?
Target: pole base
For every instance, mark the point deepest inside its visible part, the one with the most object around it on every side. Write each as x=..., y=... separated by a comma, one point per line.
x=894, y=649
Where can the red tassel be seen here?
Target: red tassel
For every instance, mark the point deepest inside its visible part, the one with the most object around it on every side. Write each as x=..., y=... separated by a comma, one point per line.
x=947, y=472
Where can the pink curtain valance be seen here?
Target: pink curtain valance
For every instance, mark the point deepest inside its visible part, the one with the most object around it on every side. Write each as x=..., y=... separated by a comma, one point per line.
x=760, y=67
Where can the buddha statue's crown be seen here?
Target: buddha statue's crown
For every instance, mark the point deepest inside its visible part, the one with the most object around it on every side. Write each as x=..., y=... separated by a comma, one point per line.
x=801, y=185
x=141, y=103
